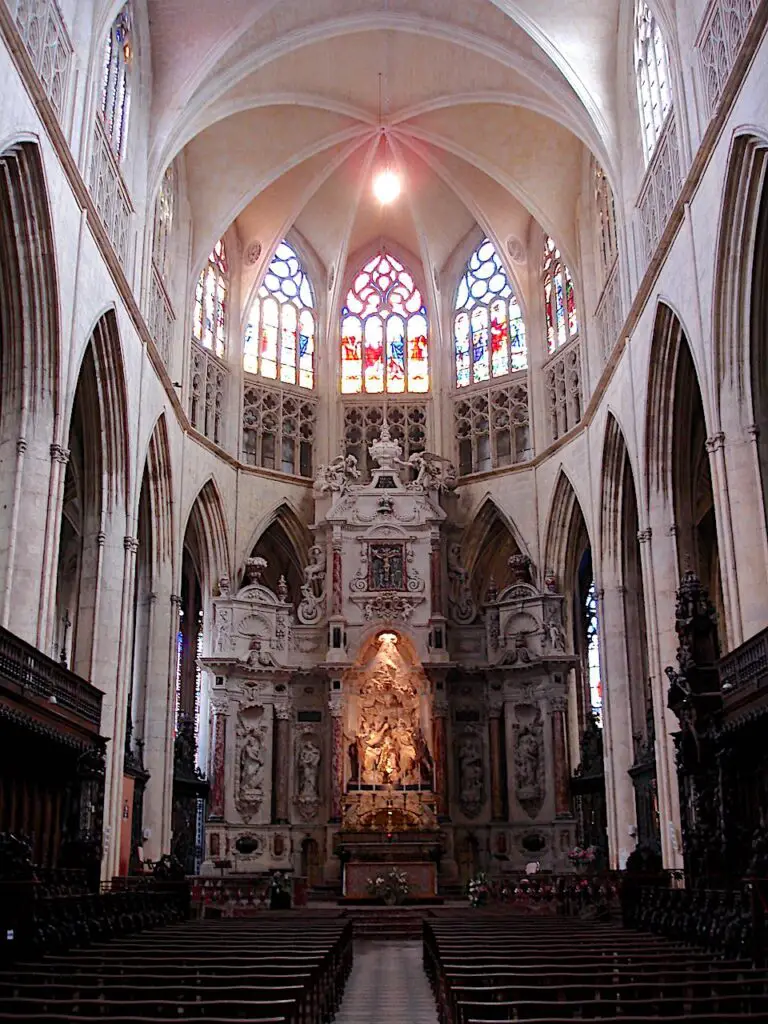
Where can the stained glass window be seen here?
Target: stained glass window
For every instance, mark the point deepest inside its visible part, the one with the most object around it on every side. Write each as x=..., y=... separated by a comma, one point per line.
x=384, y=332
x=165, y=210
x=488, y=328
x=593, y=654
x=280, y=335
x=654, y=94
x=559, y=300
x=116, y=81
x=211, y=298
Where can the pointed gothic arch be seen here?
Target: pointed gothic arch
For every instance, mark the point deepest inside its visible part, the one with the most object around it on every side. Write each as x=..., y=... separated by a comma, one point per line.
x=29, y=313
x=742, y=255
x=206, y=536
x=284, y=541
x=489, y=540
x=157, y=470
x=96, y=483
x=568, y=554
x=678, y=465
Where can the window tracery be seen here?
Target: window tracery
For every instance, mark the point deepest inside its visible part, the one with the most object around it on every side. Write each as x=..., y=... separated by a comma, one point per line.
x=605, y=212
x=165, y=212
x=559, y=299
x=654, y=94
x=116, y=81
x=278, y=429
x=362, y=426
x=492, y=427
x=210, y=319
x=384, y=332
x=279, y=339
x=488, y=327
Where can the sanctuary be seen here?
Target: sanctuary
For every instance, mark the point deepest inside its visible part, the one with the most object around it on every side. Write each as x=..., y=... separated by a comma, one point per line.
x=412, y=758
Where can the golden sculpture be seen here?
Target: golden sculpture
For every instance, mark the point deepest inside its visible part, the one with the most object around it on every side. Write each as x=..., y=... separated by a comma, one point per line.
x=387, y=746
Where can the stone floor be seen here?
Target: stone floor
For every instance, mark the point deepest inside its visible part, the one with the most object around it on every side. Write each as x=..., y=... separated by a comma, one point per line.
x=387, y=985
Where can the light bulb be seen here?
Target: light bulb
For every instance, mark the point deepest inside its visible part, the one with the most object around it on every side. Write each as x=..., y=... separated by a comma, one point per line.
x=386, y=186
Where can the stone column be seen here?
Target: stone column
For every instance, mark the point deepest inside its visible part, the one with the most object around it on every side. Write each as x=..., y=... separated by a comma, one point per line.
x=617, y=725
x=111, y=656
x=658, y=552
x=560, y=754
x=440, y=755
x=281, y=784
x=337, y=753
x=157, y=726
x=715, y=446
x=494, y=728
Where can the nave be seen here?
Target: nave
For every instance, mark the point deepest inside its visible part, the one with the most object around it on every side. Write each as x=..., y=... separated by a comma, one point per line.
x=471, y=967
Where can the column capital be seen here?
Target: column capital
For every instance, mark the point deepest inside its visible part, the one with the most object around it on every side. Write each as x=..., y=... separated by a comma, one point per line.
x=283, y=712
x=59, y=454
x=176, y=601
x=715, y=442
x=131, y=544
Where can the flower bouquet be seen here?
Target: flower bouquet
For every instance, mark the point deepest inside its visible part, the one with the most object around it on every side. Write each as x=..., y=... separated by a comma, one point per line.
x=393, y=887
x=479, y=890
x=582, y=856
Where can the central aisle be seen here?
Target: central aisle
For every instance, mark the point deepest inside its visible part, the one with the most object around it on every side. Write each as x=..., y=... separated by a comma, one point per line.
x=387, y=986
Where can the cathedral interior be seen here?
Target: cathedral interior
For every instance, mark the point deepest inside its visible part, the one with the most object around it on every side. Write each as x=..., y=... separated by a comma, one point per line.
x=384, y=439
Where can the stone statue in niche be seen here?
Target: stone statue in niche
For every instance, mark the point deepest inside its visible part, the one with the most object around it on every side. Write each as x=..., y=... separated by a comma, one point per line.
x=337, y=475
x=386, y=567
x=313, y=587
x=460, y=600
x=552, y=633
x=251, y=761
x=529, y=765
x=470, y=757
x=308, y=776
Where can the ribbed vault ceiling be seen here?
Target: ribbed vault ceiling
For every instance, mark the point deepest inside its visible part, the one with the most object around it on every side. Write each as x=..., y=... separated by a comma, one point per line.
x=488, y=107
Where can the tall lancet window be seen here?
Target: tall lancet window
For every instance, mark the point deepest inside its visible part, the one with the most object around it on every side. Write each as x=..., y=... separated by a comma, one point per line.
x=210, y=318
x=384, y=332
x=488, y=328
x=654, y=95
x=116, y=81
x=559, y=300
x=279, y=339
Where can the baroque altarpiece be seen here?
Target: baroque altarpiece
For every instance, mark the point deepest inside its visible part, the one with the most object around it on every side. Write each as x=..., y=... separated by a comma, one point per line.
x=387, y=711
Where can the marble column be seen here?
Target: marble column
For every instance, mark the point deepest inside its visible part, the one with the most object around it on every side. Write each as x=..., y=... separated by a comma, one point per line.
x=440, y=756
x=436, y=576
x=497, y=791
x=337, y=754
x=218, y=762
x=282, y=763
x=336, y=603
x=560, y=754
